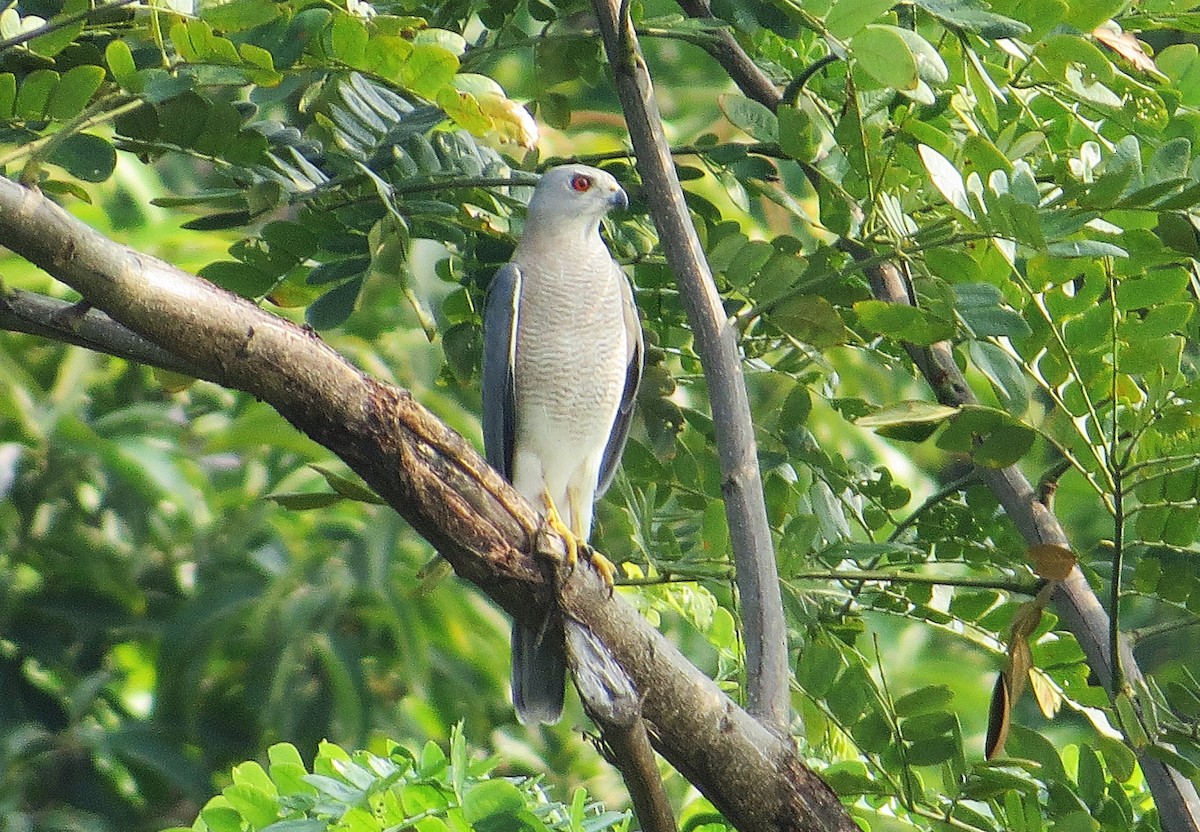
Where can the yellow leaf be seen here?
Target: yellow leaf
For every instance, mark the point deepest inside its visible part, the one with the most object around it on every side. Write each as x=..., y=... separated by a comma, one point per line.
x=464, y=109
x=1125, y=45
x=1048, y=697
x=1020, y=662
x=511, y=123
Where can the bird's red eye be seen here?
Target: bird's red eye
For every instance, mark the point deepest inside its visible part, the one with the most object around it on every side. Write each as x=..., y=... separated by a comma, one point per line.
x=580, y=184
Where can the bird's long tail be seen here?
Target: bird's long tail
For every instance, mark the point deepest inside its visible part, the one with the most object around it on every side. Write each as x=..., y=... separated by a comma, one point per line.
x=539, y=674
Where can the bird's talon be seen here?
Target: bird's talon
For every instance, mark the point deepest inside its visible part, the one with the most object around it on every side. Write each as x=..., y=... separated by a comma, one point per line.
x=607, y=570
x=555, y=522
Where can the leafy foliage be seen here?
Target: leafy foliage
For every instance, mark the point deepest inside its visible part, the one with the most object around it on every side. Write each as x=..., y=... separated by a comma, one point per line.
x=168, y=609
x=365, y=792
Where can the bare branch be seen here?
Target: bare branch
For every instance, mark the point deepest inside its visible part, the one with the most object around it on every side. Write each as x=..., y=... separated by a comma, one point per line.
x=629, y=750
x=441, y=485
x=767, y=671
x=36, y=314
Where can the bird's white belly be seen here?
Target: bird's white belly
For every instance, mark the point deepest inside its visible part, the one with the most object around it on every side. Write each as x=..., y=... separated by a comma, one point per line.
x=569, y=384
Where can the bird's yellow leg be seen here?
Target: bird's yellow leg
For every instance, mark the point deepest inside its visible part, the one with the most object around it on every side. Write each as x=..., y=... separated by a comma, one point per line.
x=555, y=521
x=602, y=565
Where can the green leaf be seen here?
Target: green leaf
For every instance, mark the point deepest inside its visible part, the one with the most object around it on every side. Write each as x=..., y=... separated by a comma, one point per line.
x=924, y=700
x=238, y=278
x=311, y=825
x=1007, y=378
x=306, y=501
x=337, y=270
x=930, y=66
x=991, y=437
x=348, y=487
x=933, y=751
x=1170, y=161
x=287, y=767
x=928, y=724
x=218, y=222
x=219, y=816
x=258, y=807
x=335, y=306
x=810, y=319
x=848, y=17
x=64, y=34
x=8, y=95
x=428, y=70
x=849, y=778
x=903, y=322
x=818, y=668
x=1087, y=16
x=73, y=92
x=490, y=798
x=981, y=307
x=750, y=116
x=34, y=93
x=462, y=344
x=973, y=16
x=348, y=40
x=120, y=62
x=885, y=55
x=913, y=412
x=86, y=157
x=946, y=179
x=1085, y=248
x=873, y=733
x=239, y=15
x=1062, y=52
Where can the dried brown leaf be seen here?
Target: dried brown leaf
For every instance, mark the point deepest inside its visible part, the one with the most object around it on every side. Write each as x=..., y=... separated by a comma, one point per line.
x=1052, y=562
x=1125, y=45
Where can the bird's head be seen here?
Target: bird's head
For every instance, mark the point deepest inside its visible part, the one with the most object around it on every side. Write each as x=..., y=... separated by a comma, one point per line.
x=575, y=193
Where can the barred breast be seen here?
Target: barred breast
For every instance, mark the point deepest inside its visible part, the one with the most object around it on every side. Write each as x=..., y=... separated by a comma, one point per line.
x=571, y=355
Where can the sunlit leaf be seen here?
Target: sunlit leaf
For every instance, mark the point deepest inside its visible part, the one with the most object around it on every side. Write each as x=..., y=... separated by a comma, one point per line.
x=947, y=180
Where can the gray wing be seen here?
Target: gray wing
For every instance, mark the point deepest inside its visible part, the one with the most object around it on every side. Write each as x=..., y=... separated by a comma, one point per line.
x=635, y=358
x=500, y=319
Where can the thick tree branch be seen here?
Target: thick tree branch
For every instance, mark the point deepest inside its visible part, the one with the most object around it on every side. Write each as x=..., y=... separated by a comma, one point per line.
x=441, y=485
x=768, y=676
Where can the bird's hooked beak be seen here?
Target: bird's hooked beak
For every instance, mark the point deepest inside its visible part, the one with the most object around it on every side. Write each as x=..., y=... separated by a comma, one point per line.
x=618, y=199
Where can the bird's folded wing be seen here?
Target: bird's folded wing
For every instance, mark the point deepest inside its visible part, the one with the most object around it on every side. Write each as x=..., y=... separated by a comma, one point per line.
x=635, y=358
x=500, y=325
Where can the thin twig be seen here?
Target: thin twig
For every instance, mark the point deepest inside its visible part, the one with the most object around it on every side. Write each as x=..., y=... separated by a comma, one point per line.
x=54, y=25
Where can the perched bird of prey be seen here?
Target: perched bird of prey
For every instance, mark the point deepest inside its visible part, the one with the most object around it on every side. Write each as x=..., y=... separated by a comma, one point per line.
x=562, y=360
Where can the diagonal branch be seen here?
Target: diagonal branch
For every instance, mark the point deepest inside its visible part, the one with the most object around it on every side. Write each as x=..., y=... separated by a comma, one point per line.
x=438, y=482
x=749, y=77
x=767, y=672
